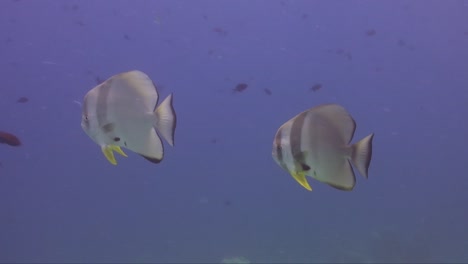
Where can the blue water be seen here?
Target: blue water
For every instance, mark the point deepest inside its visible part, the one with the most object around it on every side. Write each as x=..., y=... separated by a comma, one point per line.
x=399, y=67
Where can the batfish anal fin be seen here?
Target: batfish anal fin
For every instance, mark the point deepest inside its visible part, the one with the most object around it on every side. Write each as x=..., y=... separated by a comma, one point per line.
x=153, y=160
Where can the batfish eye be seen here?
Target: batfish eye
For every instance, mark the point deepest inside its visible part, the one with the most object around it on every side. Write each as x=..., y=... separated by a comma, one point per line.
x=305, y=167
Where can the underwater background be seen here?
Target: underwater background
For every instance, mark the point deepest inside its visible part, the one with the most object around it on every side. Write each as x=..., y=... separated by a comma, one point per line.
x=399, y=67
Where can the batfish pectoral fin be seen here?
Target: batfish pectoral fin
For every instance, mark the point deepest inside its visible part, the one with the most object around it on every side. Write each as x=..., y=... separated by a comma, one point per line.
x=108, y=151
x=300, y=177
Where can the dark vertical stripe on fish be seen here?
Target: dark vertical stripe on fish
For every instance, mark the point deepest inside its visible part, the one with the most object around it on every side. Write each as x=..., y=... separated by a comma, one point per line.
x=101, y=103
x=157, y=95
x=279, y=150
x=175, y=120
x=296, y=135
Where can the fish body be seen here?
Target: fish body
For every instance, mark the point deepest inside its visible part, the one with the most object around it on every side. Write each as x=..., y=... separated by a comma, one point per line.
x=9, y=139
x=121, y=112
x=316, y=143
x=240, y=88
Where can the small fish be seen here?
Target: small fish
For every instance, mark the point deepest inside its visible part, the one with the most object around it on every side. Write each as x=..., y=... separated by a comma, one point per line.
x=120, y=112
x=9, y=139
x=267, y=91
x=371, y=32
x=316, y=143
x=316, y=87
x=220, y=31
x=22, y=100
x=240, y=88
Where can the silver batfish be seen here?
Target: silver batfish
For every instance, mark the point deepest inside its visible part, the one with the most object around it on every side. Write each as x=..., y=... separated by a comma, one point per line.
x=316, y=143
x=121, y=112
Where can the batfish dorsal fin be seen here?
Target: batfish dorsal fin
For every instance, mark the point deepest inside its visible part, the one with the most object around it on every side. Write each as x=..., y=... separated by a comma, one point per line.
x=339, y=119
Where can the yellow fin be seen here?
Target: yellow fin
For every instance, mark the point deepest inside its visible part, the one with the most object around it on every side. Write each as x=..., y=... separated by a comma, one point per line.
x=118, y=150
x=108, y=152
x=300, y=177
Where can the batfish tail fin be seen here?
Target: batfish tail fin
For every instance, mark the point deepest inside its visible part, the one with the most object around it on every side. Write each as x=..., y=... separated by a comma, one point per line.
x=165, y=120
x=362, y=154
